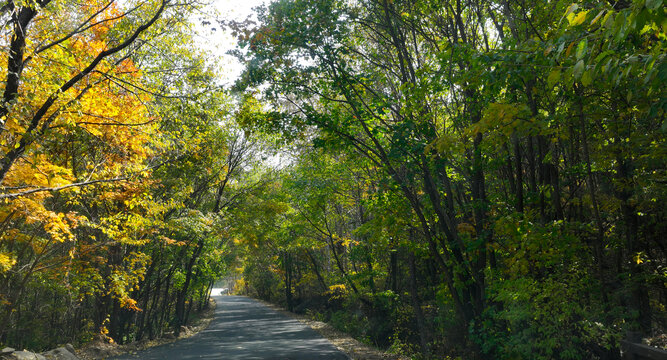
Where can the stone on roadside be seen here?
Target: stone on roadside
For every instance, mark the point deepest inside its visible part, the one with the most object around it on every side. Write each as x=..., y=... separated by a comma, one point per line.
x=23, y=355
x=70, y=348
x=61, y=353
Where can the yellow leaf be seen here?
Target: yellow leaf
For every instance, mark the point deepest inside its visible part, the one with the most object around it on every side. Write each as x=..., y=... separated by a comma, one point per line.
x=599, y=15
x=586, y=78
x=6, y=262
x=579, y=18
x=638, y=258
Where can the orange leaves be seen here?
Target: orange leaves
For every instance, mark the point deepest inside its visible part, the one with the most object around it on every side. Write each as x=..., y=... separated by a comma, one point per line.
x=129, y=304
x=38, y=171
x=97, y=129
x=106, y=104
x=102, y=21
x=56, y=226
x=118, y=119
x=127, y=67
x=169, y=241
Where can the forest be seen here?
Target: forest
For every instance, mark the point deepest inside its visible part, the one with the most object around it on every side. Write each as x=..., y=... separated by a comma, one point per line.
x=441, y=179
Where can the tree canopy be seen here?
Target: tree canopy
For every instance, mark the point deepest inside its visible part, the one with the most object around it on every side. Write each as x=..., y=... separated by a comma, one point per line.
x=441, y=179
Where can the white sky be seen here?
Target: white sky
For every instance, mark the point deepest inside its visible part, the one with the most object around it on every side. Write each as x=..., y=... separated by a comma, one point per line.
x=218, y=42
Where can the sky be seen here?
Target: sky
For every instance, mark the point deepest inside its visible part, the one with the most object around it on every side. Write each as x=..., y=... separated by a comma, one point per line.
x=218, y=41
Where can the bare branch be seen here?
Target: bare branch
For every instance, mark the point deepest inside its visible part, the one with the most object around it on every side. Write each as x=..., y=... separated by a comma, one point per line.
x=59, y=188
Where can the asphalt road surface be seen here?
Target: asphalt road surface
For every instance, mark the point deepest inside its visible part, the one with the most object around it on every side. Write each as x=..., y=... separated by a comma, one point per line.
x=245, y=329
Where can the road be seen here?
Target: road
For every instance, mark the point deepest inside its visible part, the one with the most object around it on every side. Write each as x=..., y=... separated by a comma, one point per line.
x=245, y=329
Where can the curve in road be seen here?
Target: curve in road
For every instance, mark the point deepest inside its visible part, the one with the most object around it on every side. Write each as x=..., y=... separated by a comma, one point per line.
x=245, y=329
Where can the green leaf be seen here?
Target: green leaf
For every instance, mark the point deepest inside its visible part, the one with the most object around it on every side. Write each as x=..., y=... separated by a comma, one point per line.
x=608, y=20
x=587, y=78
x=619, y=22
x=581, y=48
x=603, y=55
x=642, y=18
x=553, y=77
x=578, y=69
x=653, y=4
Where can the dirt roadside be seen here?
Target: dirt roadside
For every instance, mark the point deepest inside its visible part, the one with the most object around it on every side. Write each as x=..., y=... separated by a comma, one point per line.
x=102, y=347
x=344, y=342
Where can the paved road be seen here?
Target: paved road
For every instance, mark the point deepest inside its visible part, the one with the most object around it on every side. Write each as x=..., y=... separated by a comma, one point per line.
x=245, y=329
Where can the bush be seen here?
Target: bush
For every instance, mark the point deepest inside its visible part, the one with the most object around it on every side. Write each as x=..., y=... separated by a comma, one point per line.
x=546, y=304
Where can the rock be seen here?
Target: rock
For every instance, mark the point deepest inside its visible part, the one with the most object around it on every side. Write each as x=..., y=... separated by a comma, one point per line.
x=24, y=355
x=60, y=353
x=70, y=348
x=185, y=331
x=7, y=350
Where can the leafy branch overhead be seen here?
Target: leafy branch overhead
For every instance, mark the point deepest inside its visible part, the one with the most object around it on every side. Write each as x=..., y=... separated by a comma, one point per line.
x=440, y=178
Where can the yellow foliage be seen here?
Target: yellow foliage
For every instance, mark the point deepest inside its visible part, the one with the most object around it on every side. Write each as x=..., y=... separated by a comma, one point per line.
x=6, y=262
x=129, y=303
x=239, y=285
x=337, y=290
x=506, y=119
x=578, y=18
x=347, y=241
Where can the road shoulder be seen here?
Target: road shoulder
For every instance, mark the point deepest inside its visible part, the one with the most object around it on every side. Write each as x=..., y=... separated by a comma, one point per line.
x=102, y=348
x=342, y=341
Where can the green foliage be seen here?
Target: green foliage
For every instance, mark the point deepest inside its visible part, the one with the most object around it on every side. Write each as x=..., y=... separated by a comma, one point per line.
x=507, y=160
x=543, y=312
x=457, y=178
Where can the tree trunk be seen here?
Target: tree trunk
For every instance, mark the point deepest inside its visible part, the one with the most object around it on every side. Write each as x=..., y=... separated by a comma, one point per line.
x=424, y=334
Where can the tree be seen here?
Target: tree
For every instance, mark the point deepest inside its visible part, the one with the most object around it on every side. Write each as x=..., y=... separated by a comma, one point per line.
x=86, y=128
x=505, y=129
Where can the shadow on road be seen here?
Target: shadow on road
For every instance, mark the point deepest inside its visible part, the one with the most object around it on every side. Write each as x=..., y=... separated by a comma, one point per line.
x=245, y=329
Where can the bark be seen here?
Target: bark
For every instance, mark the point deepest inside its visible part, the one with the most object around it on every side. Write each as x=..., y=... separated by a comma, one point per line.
x=592, y=191
x=316, y=270
x=519, y=173
x=424, y=333
x=180, y=300
x=287, y=265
